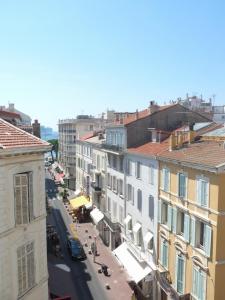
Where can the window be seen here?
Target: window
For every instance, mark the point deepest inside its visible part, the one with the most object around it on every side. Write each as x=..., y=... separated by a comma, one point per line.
x=182, y=188
x=165, y=179
x=114, y=210
x=201, y=235
x=138, y=170
x=120, y=187
x=26, y=268
x=114, y=162
x=165, y=214
x=180, y=222
x=180, y=265
x=139, y=200
x=23, y=189
x=151, y=207
x=109, y=204
x=121, y=164
x=129, y=167
x=202, y=192
x=164, y=253
x=129, y=192
x=199, y=283
x=121, y=214
x=114, y=183
x=151, y=174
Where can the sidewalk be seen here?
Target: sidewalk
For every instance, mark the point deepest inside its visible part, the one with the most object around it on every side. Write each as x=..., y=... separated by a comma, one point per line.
x=119, y=288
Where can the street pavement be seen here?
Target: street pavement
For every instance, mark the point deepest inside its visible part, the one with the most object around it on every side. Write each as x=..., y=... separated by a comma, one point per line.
x=76, y=279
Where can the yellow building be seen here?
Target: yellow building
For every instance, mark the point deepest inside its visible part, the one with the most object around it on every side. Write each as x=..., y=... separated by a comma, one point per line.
x=191, y=221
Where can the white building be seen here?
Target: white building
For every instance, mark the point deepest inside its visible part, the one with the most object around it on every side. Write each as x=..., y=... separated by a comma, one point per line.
x=23, y=254
x=219, y=114
x=138, y=253
x=71, y=130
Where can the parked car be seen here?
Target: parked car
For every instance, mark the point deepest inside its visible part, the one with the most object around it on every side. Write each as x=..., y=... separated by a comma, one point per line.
x=75, y=249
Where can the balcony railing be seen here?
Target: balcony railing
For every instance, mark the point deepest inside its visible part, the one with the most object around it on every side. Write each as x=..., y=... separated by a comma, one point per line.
x=115, y=148
x=112, y=224
x=95, y=187
x=135, y=251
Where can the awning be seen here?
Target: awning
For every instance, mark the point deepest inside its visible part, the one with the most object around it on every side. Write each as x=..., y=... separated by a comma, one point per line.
x=148, y=237
x=137, y=227
x=77, y=192
x=78, y=202
x=96, y=215
x=137, y=271
x=127, y=219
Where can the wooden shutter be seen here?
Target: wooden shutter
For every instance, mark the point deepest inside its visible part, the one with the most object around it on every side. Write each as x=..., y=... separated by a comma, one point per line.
x=193, y=222
x=174, y=220
x=31, y=196
x=159, y=211
x=186, y=227
x=208, y=238
x=169, y=217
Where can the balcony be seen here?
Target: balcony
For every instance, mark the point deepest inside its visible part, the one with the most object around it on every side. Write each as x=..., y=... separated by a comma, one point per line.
x=113, y=148
x=135, y=251
x=95, y=187
x=114, y=225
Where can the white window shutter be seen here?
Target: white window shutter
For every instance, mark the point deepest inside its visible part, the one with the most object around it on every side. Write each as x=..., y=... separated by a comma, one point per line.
x=193, y=221
x=30, y=195
x=208, y=238
x=187, y=227
x=133, y=195
x=169, y=217
x=159, y=211
x=174, y=220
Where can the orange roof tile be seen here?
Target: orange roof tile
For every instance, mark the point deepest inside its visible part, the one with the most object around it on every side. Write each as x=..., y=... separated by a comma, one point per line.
x=151, y=149
x=13, y=137
x=207, y=153
x=142, y=114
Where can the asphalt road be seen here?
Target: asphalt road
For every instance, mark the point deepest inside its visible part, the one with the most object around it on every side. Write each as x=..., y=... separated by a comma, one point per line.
x=72, y=278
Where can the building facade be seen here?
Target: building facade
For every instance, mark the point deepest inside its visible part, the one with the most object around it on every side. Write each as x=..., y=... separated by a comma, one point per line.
x=71, y=130
x=191, y=221
x=23, y=253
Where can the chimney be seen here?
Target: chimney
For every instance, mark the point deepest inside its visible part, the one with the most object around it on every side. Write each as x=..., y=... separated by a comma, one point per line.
x=136, y=114
x=153, y=107
x=36, y=129
x=172, y=144
x=11, y=107
x=191, y=136
x=180, y=139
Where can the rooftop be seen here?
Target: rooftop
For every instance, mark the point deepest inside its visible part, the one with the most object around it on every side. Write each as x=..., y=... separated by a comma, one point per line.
x=13, y=137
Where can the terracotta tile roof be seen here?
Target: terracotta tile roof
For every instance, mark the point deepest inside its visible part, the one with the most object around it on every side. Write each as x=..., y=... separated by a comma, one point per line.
x=13, y=137
x=207, y=153
x=87, y=136
x=151, y=149
x=142, y=114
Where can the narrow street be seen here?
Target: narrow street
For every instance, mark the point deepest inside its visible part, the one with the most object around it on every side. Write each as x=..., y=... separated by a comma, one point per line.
x=76, y=279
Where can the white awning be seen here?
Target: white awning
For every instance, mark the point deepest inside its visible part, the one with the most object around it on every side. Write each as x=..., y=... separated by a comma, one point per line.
x=127, y=219
x=148, y=237
x=137, y=227
x=96, y=215
x=137, y=271
x=77, y=192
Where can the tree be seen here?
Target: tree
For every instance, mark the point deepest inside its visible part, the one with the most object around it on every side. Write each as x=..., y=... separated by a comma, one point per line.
x=55, y=147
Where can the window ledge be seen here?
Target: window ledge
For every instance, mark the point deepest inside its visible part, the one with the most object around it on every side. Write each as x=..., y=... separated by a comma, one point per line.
x=121, y=196
x=181, y=238
x=202, y=252
x=165, y=226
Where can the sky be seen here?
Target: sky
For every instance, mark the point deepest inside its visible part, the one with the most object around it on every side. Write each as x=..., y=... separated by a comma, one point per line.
x=60, y=58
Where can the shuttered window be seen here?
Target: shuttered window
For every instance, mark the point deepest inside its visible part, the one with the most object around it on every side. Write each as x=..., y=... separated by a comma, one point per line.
x=182, y=188
x=199, y=283
x=23, y=190
x=180, y=273
x=164, y=253
x=26, y=268
x=166, y=178
x=151, y=207
x=202, y=192
x=139, y=200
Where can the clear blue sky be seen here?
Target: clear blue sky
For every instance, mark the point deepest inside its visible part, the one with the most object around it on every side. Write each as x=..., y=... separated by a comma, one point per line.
x=63, y=58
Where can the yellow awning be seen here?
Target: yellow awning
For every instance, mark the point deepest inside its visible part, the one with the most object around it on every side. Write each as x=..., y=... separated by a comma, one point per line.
x=78, y=202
